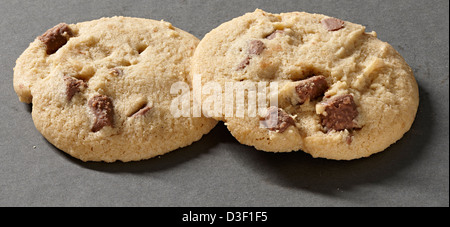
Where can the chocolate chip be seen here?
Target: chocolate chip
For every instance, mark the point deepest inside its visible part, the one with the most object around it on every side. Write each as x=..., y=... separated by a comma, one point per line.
x=349, y=139
x=103, y=110
x=56, y=37
x=244, y=63
x=273, y=35
x=332, y=24
x=73, y=86
x=277, y=119
x=339, y=113
x=311, y=88
x=256, y=47
x=142, y=111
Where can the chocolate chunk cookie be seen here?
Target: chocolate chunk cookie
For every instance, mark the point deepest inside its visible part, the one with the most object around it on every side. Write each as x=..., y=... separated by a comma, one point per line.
x=341, y=92
x=101, y=89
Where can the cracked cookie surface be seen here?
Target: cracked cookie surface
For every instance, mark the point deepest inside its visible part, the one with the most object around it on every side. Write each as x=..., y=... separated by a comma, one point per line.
x=349, y=94
x=101, y=89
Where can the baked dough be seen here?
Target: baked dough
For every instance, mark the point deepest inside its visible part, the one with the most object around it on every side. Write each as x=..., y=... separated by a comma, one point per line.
x=101, y=89
x=348, y=95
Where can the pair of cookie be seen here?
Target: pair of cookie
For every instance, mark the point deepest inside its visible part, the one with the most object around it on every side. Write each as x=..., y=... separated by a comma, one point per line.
x=103, y=90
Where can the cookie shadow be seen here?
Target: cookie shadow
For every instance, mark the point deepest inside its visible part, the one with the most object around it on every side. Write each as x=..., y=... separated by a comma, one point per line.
x=28, y=107
x=159, y=163
x=299, y=170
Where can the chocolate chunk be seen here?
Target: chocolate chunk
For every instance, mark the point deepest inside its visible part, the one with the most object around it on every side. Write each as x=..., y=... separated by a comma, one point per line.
x=277, y=119
x=73, y=86
x=273, y=35
x=56, y=37
x=339, y=113
x=311, y=88
x=256, y=47
x=349, y=139
x=244, y=63
x=332, y=24
x=103, y=110
x=142, y=111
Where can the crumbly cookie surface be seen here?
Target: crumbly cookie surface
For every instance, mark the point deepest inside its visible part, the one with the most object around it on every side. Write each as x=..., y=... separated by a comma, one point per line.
x=101, y=89
x=348, y=94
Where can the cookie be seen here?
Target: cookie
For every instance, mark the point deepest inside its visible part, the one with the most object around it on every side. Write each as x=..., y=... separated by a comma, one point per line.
x=101, y=89
x=340, y=93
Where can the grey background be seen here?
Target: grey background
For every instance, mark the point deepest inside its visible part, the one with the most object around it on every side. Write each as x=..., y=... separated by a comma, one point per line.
x=218, y=171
